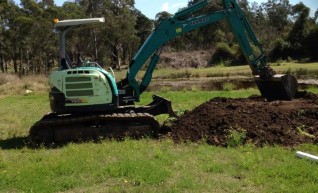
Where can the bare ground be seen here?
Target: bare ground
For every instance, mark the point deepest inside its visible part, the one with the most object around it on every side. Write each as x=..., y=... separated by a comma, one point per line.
x=185, y=59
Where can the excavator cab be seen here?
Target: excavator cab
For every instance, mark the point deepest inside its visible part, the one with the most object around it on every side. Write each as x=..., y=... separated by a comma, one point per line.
x=88, y=88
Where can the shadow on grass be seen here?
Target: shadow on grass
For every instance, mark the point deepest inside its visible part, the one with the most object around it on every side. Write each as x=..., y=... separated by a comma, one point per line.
x=15, y=143
x=25, y=142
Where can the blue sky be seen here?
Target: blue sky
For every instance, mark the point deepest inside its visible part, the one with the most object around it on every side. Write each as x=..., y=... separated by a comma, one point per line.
x=151, y=7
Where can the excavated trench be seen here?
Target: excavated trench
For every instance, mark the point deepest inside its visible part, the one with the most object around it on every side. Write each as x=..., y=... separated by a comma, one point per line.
x=224, y=121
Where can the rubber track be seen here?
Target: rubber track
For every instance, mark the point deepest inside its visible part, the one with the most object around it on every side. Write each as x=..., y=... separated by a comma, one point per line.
x=62, y=128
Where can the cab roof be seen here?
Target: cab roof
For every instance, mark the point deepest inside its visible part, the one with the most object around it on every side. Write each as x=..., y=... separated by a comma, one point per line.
x=75, y=22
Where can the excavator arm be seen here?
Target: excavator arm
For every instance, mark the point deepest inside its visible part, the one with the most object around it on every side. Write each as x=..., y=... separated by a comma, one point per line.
x=183, y=22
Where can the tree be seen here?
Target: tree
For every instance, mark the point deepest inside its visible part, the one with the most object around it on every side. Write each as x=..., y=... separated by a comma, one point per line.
x=277, y=13
x=143, y=26
x=311, y=43
x=161, y=16
x=119, y=30
x=48, y=3
x=9, y=50
x=1, y=37
x=296, y=37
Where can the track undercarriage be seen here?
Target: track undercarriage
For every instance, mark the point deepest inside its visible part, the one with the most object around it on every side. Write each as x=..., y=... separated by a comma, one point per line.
x=64, y=128
x=129, y=121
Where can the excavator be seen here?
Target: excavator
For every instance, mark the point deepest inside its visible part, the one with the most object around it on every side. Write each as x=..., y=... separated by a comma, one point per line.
x=88, y=103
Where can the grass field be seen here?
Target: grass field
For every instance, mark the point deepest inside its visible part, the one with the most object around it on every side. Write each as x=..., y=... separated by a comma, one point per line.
x=144, y=165
x=300, y=70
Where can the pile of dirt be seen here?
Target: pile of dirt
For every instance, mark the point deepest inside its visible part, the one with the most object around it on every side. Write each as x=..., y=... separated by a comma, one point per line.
x=193, y=59
x=253, y=120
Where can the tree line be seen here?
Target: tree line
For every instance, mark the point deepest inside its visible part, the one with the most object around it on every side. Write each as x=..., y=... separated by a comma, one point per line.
x=28, y=45
x=285, y=31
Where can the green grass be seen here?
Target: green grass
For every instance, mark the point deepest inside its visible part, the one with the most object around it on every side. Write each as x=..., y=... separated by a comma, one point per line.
x=156, y=166
x=146, y=165
x=189, y=99
x=309, y=70
x=19, y=112
x=313, y=89
x=300, y=70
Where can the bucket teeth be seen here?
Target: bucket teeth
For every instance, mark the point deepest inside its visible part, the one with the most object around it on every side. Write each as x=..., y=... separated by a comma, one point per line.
x=279, y=87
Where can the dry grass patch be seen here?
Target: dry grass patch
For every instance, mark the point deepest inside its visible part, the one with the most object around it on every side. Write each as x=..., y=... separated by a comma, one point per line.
x=11, y=84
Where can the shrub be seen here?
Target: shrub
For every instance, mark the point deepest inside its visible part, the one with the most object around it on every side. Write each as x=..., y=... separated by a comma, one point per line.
x=227, y=55
x=223, y=54
x=236, y=137
x=228, y=86
x=279, y=51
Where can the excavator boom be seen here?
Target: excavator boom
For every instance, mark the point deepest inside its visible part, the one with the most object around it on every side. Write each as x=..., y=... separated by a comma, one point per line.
x=271, y=86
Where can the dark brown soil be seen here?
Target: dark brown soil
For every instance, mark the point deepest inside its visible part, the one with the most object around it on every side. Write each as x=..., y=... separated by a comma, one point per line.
x=285, y=123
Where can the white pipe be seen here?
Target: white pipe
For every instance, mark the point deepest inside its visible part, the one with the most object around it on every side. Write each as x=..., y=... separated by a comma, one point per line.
x=306, y=155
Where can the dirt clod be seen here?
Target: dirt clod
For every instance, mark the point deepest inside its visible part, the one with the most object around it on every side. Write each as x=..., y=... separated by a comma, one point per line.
x=253, y=120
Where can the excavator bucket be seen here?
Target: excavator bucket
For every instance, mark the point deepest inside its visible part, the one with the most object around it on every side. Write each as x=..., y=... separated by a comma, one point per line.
x=160, y=105
x=279, y=87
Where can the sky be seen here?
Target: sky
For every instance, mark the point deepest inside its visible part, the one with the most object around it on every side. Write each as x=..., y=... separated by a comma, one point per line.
x=151, y=7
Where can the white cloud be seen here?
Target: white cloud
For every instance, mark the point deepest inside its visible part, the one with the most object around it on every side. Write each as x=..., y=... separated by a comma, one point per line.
x=165, y=7
x=140, y=1
x=178, y=5
x=172, y=8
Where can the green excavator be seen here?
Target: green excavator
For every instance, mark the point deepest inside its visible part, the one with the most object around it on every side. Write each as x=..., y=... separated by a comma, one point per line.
x=87, y=102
